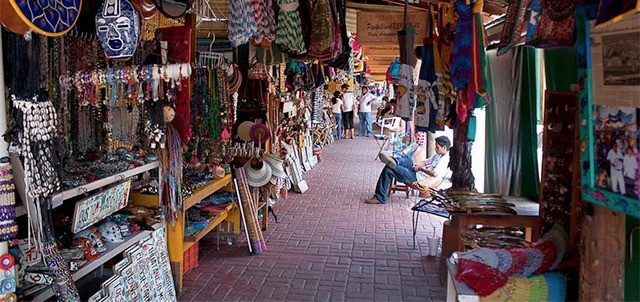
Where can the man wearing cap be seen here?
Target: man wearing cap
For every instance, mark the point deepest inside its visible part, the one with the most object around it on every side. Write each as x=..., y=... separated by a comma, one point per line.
x=403, y=169
x=364, y=112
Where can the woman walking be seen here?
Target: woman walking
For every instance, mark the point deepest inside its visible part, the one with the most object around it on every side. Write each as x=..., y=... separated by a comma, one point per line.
x=336, y=104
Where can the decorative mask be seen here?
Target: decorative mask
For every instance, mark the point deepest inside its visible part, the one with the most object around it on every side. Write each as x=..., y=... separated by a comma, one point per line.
x=118, y=27
x=93, y=237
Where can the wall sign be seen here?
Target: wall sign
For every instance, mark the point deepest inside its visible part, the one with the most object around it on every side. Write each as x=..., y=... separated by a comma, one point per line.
x=97, y=207
x=376, y=28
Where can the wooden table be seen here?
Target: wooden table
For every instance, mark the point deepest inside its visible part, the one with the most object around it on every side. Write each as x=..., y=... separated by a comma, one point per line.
x=527, y=218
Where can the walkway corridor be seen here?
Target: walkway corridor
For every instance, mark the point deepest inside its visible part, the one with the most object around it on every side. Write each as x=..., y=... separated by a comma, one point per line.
x=329, y=245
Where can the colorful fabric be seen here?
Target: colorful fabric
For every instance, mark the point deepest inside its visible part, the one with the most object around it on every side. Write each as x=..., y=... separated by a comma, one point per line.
x=481, y=278
x=514, y=289
x=547, y=28
x=289, y=28
x=557, y=285
x=516, y=18
x=265, y=20
x=242, y=23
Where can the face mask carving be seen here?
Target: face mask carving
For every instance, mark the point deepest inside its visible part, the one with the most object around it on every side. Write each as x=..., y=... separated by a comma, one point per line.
x=118, y=27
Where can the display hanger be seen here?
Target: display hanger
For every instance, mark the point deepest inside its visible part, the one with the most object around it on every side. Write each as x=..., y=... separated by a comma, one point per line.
x=211, y=58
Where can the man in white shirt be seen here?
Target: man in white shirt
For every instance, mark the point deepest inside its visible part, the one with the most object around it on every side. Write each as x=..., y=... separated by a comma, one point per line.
x=433, y=170
x=616, y=160
x=364, y=112
x=348, y=100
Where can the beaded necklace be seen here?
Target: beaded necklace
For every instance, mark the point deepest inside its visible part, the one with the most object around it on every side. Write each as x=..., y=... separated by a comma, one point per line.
x=172, y=170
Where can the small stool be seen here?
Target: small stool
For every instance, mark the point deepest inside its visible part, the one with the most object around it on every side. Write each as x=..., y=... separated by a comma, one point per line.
x=395, y=186
x=381, y=140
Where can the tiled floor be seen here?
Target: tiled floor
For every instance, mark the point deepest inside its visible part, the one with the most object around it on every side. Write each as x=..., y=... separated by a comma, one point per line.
x=329, y=245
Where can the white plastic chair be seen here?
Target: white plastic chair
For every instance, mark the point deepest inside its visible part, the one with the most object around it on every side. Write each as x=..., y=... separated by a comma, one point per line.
x=391, y=125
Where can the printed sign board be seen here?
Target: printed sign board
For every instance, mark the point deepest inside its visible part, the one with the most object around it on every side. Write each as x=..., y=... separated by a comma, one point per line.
x=376, y=28
x=97, y=207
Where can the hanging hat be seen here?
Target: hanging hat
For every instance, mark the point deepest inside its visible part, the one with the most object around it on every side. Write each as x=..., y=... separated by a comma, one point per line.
x=259, y=133
x=244, y=130
x=235, y=78
x=257, y=177
x=276, y=165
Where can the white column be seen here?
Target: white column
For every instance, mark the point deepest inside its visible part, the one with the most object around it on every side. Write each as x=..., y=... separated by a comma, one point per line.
x=4, y=146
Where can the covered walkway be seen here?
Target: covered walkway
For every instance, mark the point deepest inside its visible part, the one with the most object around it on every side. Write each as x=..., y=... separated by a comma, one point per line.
x=329, y=245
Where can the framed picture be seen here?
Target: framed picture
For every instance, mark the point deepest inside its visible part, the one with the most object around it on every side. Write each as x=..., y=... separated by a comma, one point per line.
x=611, y=11
x=610, y=113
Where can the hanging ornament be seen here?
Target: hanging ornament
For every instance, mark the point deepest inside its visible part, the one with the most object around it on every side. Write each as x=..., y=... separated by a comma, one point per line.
x=118, y=27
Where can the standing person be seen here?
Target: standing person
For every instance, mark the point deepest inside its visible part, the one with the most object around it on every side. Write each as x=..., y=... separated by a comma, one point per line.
x=616, y=160
x=430, y=171
x=364, y=112
x=336, y=109
x=348, y=100
x=630, y=169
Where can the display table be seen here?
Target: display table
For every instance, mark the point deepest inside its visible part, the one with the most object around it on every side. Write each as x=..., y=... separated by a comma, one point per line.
x=458, y=291
x=527, y=217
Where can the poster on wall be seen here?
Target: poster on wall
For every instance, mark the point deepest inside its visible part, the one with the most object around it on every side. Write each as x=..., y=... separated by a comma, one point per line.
x=616, y=149
x=609, y=60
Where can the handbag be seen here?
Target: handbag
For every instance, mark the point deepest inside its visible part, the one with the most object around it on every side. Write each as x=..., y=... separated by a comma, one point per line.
x=259, y=71
x=552, y=23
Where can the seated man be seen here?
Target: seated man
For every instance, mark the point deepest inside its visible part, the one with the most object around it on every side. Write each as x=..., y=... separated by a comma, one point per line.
x=404, y=170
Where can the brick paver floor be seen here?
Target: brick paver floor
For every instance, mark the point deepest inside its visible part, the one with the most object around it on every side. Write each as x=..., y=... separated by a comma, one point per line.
x=329, y=245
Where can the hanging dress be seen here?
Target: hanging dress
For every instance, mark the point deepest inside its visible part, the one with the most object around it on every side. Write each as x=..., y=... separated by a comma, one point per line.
x=242, y=24
x=428, y=103
x=289, y=28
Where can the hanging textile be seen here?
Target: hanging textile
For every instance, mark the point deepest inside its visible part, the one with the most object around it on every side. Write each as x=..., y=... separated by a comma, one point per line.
x=242, y=24
x=405, y=92
x=503, y=149
x=265, y=21
x=467, y=67
x=289, y=29
x=343, y=59
x=428, y=102
x=446, y=36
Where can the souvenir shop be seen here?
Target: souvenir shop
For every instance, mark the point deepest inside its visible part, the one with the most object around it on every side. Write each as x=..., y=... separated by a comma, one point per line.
x=131, y=132
x=131, y=135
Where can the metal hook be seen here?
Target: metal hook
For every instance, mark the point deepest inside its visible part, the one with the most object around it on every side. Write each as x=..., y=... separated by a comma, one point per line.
x=212, y=41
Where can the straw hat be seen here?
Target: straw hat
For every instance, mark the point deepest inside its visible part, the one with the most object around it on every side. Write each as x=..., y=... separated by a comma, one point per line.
x=257, y=176
x=259, y=133
x=244, y=130
x=276, y=165
x=235, y=78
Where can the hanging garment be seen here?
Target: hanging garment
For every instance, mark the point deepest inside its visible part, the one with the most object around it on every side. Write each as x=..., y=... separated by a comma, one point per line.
x=343, y=59
x=427, y=94
x=405, y=92
x=242, y=24
x=446, y=27
x=289, y=29
x=552, y=23
x=515, y=19
x=468, y=61
x=265, y=21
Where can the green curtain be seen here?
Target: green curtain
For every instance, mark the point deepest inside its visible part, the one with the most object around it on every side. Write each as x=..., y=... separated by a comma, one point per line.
x=511, y=166
x=528, y=121
x=561, y=68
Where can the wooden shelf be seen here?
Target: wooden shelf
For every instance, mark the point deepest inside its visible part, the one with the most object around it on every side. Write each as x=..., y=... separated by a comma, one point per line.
x=113, y=249
x=59, y=198
x=206, y=191
x=215, y=221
